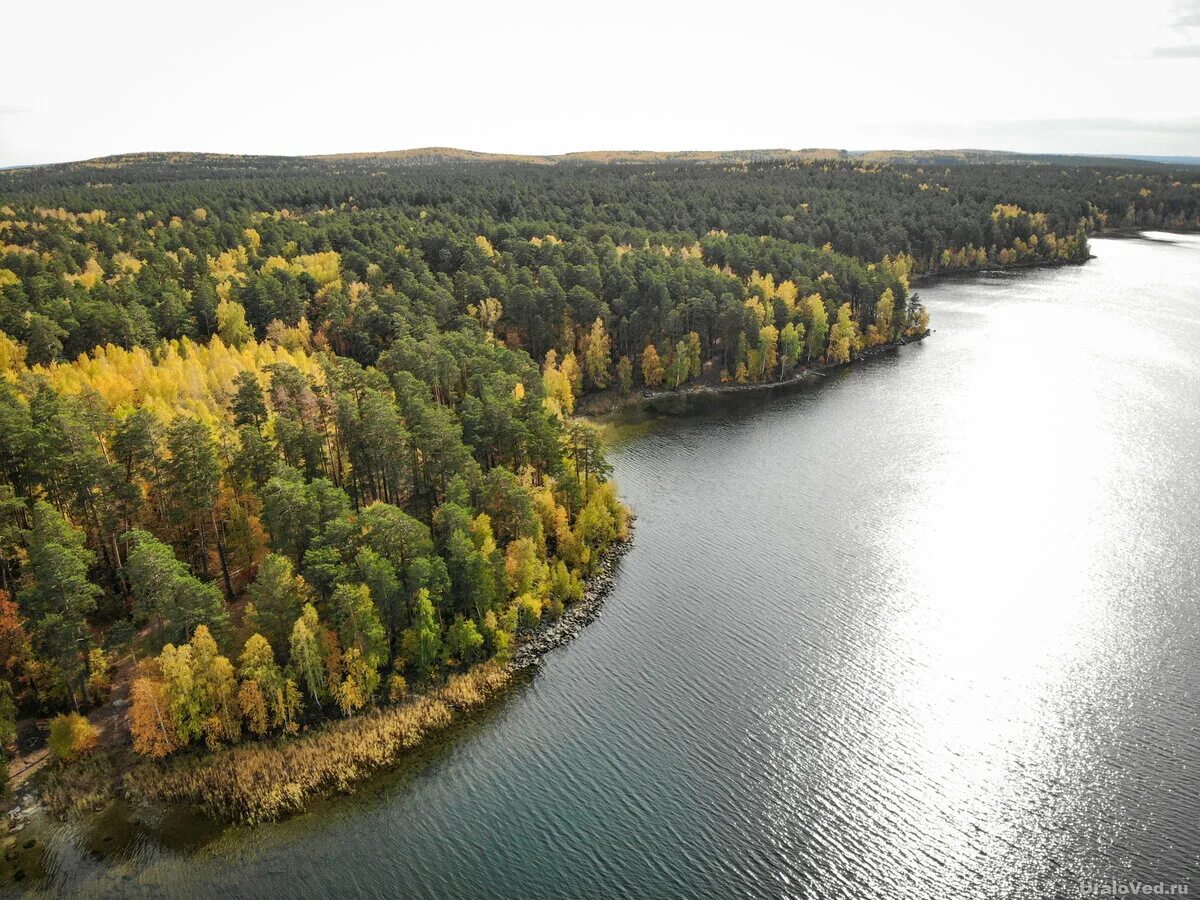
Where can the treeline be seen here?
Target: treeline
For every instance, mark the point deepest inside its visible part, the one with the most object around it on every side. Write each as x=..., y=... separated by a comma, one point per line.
x=863, y=208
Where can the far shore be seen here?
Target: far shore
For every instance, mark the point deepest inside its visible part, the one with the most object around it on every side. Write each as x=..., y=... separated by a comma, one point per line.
x=605, y=408
x=609, y=405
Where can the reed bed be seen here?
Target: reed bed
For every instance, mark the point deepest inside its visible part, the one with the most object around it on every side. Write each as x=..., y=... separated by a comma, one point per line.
x=263, y=782
x=82, y=785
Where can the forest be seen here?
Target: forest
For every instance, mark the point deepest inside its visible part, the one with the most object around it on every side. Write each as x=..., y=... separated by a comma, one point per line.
x=284, y=440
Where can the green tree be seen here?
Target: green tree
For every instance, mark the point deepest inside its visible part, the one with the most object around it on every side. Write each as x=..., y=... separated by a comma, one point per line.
x=57, y=596
x=625, y=375
x=357, y=622
x=422, y=641
x=387, y=592
x=695, y=363
x=296, y=511
x=278, y=596
x=163, y=587
x=193, y=480
x=248, y=405
x=464, y=643
x=8, y=730
x=586, y=452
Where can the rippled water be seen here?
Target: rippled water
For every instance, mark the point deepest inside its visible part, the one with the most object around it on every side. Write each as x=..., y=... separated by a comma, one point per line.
x=929, y=629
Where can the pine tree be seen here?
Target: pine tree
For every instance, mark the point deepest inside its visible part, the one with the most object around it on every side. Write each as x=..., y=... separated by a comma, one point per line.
x=163, y=587
x=422, y=641
x=278, y=596
x=357, y=622
x=56, y=595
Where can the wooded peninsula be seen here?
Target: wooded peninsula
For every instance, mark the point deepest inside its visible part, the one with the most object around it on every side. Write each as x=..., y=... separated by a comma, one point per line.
x=290, y=464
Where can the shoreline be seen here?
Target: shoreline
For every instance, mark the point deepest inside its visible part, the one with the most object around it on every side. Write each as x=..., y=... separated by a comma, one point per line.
x=929, y=278
x=202, y=780
x=667, y=401
x=1143, y=231
x=653, y=401
x=815, y=370
x=537, y=642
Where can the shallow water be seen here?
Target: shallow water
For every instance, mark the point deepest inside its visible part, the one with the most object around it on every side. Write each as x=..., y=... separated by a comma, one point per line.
x=928, y=628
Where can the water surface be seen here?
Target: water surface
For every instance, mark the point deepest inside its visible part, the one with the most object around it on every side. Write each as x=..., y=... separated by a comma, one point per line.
x=929, y=629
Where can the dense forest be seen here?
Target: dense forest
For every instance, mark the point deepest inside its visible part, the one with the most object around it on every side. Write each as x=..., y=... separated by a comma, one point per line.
x=297, y=434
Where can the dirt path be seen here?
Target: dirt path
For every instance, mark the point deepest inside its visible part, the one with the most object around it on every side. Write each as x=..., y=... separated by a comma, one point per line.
x=109, y=719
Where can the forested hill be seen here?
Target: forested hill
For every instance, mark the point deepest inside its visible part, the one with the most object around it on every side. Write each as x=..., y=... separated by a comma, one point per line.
x=426, y=156
x=322, y=407
x=867, y=205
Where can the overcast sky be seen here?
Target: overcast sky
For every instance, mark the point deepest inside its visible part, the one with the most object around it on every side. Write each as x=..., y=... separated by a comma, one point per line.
x=85, y=79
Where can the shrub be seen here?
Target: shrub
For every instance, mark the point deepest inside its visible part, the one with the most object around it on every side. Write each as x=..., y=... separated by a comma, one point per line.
x=99, y=681
x=70, y=735
x=397, y=688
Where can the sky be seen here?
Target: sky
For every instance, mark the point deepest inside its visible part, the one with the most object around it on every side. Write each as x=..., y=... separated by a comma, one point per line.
x=87, y=79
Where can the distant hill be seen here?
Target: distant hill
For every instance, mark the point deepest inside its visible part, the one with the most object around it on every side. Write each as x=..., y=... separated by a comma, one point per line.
x=437, y=155
x=932, y=157
x=1165, y=160
x=967, y=156
x=173, y=165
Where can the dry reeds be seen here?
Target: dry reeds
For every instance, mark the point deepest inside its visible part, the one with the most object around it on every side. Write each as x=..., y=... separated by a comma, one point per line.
x=257, y=783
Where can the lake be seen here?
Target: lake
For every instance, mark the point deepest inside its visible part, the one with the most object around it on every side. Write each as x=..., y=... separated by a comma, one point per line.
x=927, y=628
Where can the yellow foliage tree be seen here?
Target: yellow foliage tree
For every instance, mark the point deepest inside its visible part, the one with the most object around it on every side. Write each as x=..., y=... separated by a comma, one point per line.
x=231, y=324
x=883, y=316
x=570, y=368
x=12, y=357
x=653, y=370
x=151, y=723
x=559, y=394
x=843, y=337
x=598, y=355
x=768, y=351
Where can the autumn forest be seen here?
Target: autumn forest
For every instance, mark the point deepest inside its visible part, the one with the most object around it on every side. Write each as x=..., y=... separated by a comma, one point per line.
x=290, y=449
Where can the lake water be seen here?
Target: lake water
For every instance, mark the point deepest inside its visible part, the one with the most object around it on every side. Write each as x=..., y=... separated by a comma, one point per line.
x=928, y=629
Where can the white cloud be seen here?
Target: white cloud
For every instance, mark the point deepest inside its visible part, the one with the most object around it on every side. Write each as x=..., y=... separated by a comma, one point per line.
x=542, y=77
x=1179, y=51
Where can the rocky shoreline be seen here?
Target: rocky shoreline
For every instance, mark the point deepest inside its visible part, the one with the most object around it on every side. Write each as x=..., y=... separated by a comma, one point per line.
x=537, y=642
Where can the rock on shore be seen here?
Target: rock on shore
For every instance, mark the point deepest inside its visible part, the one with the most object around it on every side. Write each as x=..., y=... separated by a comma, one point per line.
x=536, y=642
